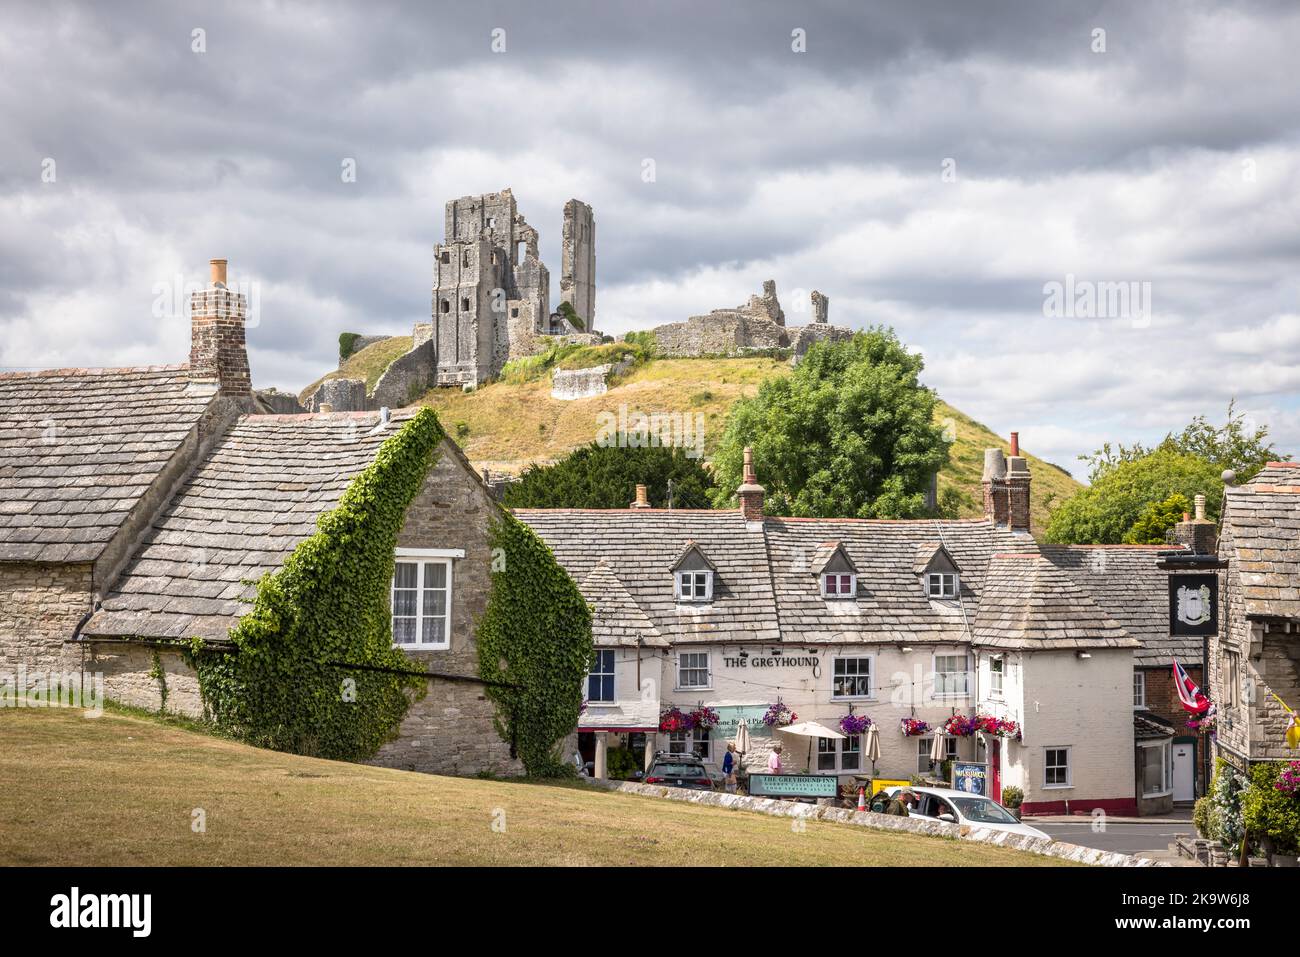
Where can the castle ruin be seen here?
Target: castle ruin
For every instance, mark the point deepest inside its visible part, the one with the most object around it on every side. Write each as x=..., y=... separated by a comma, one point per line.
x=492, y=292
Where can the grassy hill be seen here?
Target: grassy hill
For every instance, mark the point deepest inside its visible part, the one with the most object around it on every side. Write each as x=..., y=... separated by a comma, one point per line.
x=512, y=423
x=133, y=785
x=368, y=363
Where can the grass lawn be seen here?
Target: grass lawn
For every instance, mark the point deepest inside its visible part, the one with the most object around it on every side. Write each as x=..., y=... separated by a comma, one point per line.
x=122, y=790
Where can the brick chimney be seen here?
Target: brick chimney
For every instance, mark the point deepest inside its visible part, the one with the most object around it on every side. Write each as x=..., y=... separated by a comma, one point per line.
x=641, y=500
x=1006, y=487
x=750, y=492
x=1199, y=534
x=217, y=349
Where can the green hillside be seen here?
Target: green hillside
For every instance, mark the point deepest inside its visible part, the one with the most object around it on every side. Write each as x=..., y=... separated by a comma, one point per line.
x=508, y=425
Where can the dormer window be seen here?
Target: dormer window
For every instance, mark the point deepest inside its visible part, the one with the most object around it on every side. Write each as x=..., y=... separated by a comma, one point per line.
x=839, y=585
x=940, y=576
x=835, y=571
x=693, y=575
x=941, y=584
x=695, y=586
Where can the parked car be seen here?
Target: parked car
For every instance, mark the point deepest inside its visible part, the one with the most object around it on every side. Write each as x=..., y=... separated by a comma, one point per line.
x=679, y=771
x=959, y=807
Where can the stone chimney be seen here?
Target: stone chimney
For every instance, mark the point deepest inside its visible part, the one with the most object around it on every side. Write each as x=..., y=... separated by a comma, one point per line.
x=641, y=500
x=750, y=492
x=1199, y=533
x=1006, y=487
x=217, y=350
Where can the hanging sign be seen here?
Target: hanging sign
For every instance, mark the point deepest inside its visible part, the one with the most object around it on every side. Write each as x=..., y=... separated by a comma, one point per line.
x=971, y=777
x=1193, y=605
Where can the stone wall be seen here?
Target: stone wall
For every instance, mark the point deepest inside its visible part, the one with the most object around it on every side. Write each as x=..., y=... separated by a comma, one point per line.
x=342, y=395
x=802, y=338
x=127, y=679
x=42, y=607
x=406, y=379
x=279, y=403
x=450, y=731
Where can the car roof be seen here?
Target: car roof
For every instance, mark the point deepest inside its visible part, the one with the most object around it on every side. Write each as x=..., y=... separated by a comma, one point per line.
x=939, y=792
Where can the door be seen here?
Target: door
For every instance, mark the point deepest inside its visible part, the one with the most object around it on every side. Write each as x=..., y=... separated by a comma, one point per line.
x=1184, y=772
x=996, y=771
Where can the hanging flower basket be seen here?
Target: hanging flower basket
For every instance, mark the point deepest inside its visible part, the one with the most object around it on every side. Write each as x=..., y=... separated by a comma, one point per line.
x=704, y=718
x=914, y=727
x=1288, y=782
x=779, y=716
x=1205, y=721
x=960, y=726
x=998, y=727
x=852, y=724
x=672, y=720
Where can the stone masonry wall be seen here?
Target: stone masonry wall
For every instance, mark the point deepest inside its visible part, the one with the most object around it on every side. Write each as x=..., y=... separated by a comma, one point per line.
x=450, y=731
x=43, y=604
x=407, y=378
x=127, y=679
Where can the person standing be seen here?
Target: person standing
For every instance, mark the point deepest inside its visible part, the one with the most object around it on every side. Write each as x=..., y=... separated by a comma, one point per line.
x=729, y=768
x=774, y=760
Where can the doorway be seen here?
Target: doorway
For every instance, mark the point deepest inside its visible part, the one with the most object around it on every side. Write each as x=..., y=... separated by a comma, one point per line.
x=1184, y=771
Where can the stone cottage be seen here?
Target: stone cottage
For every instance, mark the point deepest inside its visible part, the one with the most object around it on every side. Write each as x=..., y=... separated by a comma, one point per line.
x=1254, y=661
x=738, y=610
x=137, y=505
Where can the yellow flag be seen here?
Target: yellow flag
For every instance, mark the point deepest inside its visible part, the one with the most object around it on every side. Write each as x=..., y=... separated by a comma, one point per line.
x=1293, y=729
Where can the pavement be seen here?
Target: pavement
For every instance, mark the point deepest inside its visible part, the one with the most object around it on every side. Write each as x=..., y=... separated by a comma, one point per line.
x=1148, y=837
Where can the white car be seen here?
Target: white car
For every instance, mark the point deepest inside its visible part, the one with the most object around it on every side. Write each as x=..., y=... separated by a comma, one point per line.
x=958, y=807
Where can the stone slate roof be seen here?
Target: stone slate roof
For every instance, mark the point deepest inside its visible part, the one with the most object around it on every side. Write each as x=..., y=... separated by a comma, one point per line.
x=1261, y=528
x=616, y=620
x=78, y=450
x=1125, y=582
x=640, y=547
x=245, y=508
x=1149, y=727
x=1032, y=604
x=891, y=605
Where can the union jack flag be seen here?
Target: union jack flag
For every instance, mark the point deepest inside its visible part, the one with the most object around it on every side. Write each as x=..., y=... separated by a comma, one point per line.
x=1188, y=693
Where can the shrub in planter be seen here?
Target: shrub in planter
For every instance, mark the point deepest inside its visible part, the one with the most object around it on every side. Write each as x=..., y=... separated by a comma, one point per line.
x=1226, y=787
x=1012, y=798
x=1269, y=813
x=621, y=764
x=1206, y=818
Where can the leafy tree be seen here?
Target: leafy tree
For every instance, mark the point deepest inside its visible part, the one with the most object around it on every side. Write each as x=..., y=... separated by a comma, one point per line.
x=1131, y=498
x=1234, y=445
x=606, y=476
x=1156, y=520
x=850, y=433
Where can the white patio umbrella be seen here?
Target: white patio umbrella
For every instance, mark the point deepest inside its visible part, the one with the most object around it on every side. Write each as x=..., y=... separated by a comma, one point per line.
x=873, y=747
x=742, y=736
x=939, y=751
x=810, y=730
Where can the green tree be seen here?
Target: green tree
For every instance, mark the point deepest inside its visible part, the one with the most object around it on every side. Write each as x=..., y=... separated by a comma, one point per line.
x=1116, y=505
x=849, y=433
x=1156, y=520
x=1236, y=445
x=606, y=476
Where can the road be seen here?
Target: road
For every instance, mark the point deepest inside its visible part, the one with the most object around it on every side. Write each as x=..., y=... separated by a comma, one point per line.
x=1124, y=837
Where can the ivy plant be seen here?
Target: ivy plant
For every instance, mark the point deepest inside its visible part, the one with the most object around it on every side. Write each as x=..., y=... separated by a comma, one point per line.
x=534, y=647
x=285, y=684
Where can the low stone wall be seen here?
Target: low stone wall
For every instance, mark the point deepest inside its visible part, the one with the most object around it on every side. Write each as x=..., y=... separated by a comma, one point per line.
x=580, y=383
x=128, y=679
x=342, y=395
x=884, y=822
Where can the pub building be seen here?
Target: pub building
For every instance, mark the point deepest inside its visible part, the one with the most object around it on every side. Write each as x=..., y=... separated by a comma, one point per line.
x=1027, y=653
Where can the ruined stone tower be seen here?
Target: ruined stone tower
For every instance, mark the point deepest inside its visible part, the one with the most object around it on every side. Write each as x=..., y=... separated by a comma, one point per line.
x=578, y=261
x=492, y=292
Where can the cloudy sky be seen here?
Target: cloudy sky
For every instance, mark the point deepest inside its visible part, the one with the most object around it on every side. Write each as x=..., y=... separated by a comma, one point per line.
x=931, y=166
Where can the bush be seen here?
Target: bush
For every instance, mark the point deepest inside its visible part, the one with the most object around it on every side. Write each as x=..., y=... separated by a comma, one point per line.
x=347, y=344
x=621, y=764
x=606, y=476
x=1225, y=795
x=1205, y=818
x=1012, y=797
x=1268, y=813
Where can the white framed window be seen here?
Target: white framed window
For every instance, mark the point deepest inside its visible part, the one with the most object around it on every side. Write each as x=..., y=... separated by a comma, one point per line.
x=951, y=676
x=421, y=597
x=695, y=586
x=1139, y=689
x=1157, y=768
x=1056, y=767
x=600, y=680
x=693, y=669
x=833, y=755
x=690, y=742
x=839, y=585
x=997, y=667
x=924, y=763
x=941, y=585
x=851, y=677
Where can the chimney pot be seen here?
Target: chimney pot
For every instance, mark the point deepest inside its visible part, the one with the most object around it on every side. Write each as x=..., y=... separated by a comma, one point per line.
x=1200, y=508
x=1187, y=516
x=1015, y=443
x=642, y=501
x=217, y=270
x=750, y=492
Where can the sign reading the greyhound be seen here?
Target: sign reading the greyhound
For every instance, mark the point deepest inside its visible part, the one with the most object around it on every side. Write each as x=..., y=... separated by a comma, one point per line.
x=793, y=785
